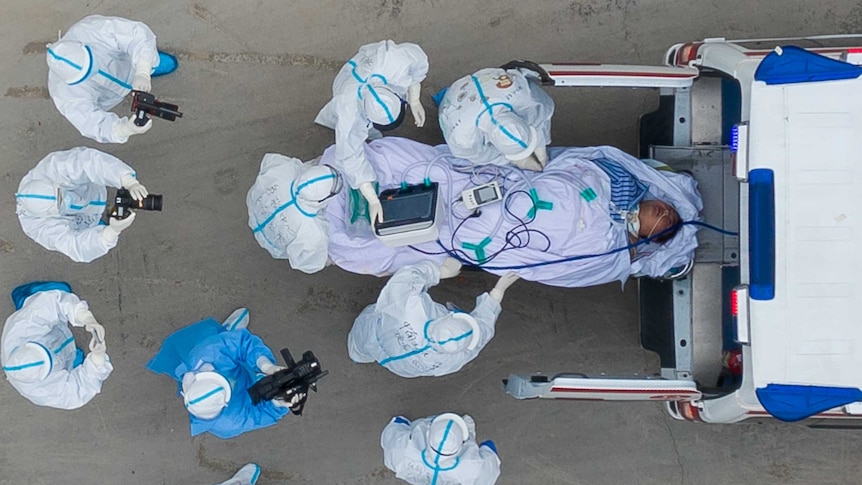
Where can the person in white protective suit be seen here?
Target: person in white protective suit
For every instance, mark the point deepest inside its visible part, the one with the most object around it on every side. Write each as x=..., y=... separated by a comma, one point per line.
x=60, y=202
x=439, y=450
x=411, y=335
x=39, y=355
x=369, y=96
x=96, y=64
x=247, y=475
x=285, y=210
x=498, y=116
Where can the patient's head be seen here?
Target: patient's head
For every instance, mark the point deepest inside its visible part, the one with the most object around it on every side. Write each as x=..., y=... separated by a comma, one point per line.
x=655, y=217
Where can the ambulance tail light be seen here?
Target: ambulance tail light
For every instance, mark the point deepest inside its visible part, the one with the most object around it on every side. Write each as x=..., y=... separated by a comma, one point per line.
x=687, y=410
x=739, y=312
x=687, y=53
x=739, y=149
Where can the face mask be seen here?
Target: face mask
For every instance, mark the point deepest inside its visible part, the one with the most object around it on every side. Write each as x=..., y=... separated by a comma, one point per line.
x=633, y=222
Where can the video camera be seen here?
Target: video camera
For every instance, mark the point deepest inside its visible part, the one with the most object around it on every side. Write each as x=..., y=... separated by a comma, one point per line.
x=297, y=378
x=144, y=104
x=123, y=201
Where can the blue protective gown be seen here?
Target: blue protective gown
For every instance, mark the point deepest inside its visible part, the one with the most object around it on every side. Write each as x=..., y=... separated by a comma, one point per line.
x=234, y=355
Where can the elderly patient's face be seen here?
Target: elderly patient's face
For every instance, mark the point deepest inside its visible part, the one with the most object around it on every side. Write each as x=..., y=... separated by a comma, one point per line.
x=656, y=216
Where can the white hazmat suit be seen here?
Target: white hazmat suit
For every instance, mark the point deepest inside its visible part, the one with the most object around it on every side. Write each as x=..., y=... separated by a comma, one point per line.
x=284, y=210
x=371, y=88
x=496, y=116
x=411, y=335
x=60, y=202
x=43, y=323
x=439, y=450
x=93, y=67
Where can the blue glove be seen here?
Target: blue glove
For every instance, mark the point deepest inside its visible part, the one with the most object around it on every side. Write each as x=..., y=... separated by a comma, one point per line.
x=490, y=444
x=401, y=420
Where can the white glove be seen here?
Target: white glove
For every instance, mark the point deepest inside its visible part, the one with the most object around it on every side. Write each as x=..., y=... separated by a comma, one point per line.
x=529, y=163
x=416, y=107
x=502, y=285
x=127, y=127
x=375, y=210
x=141, y=82
x=450, y=268
x=88, y=321
x=471, y=426
x=267, y=366
x=98, y=352
x=116, y=226
x=542, y=155
x=136, y=189
x=294, y=401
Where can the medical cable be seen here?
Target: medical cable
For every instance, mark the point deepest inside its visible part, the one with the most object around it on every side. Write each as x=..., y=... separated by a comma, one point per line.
x=454, y=252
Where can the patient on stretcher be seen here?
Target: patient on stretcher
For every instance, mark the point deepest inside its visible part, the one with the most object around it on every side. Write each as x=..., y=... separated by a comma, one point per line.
x=593, y=216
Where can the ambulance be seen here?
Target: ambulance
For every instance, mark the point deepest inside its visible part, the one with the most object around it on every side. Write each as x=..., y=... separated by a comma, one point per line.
x=763, y=322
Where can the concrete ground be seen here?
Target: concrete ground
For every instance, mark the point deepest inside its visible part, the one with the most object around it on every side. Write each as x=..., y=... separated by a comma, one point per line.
x=253, y=75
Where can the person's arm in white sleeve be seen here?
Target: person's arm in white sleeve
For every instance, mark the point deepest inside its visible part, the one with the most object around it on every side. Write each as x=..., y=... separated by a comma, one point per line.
x=351, y=131
x=408, y=281
x=308, y=250
x=92, y=121
x=417, y=59
x=486, y=312
x=130, y=36
x=83, y=165
x=68, y=305
x=57, y=234
x=490, y=470
x=394, y=442
x=69, y=389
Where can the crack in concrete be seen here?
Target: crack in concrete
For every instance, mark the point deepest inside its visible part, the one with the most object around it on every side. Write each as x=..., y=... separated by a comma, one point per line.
x=293, y=60
x=28, y=92
x=675, y=449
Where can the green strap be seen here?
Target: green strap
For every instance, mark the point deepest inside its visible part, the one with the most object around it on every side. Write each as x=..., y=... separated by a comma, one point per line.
x=478, y=248
x=538, y=204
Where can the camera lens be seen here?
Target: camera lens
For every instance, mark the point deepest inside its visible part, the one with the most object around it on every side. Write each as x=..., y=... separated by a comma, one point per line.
x=151, y=202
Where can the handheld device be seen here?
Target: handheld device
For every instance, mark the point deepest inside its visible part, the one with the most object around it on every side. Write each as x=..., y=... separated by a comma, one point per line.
x=481, y=195
x=144, y=104
x=296, y=378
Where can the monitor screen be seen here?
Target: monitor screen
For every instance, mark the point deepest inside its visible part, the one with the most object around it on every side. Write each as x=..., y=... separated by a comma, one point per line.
x=485, y=194
x=409, y=206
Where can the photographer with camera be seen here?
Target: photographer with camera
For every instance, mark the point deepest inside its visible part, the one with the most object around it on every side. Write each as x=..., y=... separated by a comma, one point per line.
x=96, y=64
x=214, y=365
x=60, y=202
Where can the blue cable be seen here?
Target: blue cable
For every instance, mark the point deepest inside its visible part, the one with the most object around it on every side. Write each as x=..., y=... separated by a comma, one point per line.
x=454, y=253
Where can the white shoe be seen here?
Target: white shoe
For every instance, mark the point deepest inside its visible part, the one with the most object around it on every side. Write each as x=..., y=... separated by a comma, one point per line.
x=237, y=320
x=246, y=475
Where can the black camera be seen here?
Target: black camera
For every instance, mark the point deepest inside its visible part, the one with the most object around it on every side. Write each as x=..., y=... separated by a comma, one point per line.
x=123, y=201
x=297, y=378
x=144, y=104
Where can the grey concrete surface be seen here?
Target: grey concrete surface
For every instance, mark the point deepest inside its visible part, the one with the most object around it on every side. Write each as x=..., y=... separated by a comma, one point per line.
x=252, y=76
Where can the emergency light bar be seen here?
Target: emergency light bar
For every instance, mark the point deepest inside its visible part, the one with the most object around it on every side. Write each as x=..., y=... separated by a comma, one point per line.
x=739, y=147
